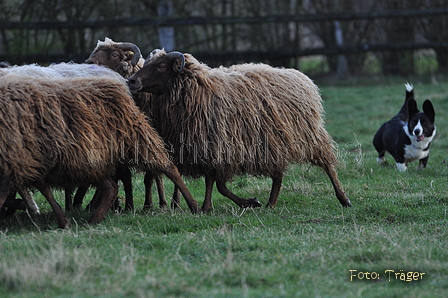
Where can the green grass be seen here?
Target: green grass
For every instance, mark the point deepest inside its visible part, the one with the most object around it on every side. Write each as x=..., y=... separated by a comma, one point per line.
x=305, y=247
x=425, y=64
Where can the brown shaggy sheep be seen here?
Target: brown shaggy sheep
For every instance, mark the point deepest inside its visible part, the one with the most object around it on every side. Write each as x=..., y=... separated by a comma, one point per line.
x=125, y=59
x=72, y=131
x=70, y=70
x=249, y=118
x=122, y=57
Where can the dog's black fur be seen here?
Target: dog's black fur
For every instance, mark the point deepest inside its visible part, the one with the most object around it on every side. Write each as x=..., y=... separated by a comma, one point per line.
x=408, y=135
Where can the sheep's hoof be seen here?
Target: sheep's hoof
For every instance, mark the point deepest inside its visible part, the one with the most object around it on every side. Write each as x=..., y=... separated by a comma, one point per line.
x=252, y=202
x=347, y=203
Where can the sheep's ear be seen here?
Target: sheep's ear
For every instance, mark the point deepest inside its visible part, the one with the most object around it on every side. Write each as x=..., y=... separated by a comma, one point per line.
x=178, y=61
x=177, y=66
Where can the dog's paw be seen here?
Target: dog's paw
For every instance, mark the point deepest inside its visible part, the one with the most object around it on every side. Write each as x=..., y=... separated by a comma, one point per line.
x=401, y=167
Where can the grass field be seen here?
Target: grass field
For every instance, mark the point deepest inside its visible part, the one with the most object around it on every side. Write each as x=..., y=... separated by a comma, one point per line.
x=309, y=246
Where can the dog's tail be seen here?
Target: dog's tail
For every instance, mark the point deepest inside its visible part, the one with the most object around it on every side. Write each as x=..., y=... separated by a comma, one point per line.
x=409, y=90
x=403, y=113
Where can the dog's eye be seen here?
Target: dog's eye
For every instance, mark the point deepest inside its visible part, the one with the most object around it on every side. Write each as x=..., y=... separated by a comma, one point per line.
x=423, y=122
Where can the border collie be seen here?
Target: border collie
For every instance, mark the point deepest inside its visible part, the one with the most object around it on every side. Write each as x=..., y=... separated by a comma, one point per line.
x=407, y=136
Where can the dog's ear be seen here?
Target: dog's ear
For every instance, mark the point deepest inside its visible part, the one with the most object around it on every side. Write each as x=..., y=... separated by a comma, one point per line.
x=412, y=107
x=428, y=109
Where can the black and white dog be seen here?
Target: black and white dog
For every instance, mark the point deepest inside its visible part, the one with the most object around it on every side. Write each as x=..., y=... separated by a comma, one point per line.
x=407, y=136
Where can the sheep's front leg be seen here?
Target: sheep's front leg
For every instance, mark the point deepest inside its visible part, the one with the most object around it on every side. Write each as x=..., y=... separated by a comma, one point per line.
x=173, y=174
x=29, y=201
x=5, y=190
x=207, y=205
x=150, y=176
x=275, y=190
x=222, y=188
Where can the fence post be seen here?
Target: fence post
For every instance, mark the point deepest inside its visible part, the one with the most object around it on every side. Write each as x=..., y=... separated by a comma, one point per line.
x=342, y=66
x=166, y=33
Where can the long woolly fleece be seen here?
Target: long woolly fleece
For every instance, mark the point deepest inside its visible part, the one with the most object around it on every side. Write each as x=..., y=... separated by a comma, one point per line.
x=248, y=118
x=68, y=131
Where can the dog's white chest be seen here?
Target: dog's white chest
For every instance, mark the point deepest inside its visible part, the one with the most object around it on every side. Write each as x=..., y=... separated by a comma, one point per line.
x=417, y=150
x=411, y=152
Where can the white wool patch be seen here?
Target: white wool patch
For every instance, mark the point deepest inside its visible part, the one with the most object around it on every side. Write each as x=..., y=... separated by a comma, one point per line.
x=32, y=70
x=107, y=42
x=70, y=70
x=63, y=70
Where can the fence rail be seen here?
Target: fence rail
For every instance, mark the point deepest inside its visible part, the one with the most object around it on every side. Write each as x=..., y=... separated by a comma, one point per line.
x=200, y=20
x=217, y=56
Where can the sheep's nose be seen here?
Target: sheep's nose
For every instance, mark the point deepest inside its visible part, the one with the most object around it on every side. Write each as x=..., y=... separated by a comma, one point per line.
x=132, y=83
x=90, y=61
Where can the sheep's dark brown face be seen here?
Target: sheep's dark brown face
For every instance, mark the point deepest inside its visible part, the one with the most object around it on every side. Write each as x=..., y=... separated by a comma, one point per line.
x=111, y=58
x=155, y=76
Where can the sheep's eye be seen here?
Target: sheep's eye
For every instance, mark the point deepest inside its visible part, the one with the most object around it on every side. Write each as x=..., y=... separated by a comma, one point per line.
x=162, y=67
x=115, y=55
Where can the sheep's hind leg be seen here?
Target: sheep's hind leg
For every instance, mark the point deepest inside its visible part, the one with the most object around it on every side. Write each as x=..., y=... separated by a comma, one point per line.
x=123, y=173
x=148, y=181
x=275, y=190
x=107, y=191
x=79, y=196
x=222, y=188
x=340, y=194
x=161, y=191
x=175, y=200
x=60, y=215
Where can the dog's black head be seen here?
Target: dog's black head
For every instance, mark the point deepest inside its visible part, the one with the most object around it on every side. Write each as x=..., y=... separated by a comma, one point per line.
x=421, y=124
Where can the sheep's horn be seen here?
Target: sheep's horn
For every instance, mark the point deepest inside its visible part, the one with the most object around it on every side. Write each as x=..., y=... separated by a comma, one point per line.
x=131, y=47
x=150, y=56
x=180, y=56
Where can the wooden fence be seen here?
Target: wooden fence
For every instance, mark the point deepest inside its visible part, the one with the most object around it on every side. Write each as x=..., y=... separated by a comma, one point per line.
x=252, y=55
